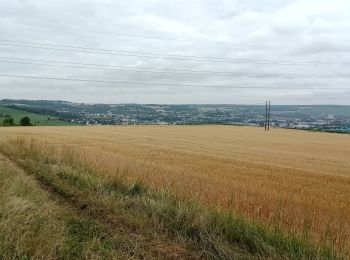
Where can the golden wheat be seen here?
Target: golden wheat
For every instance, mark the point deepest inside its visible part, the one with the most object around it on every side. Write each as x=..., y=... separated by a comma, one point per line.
x=295, y=180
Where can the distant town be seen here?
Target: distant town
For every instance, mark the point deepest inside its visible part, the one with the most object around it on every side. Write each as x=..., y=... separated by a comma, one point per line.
x=333, y=118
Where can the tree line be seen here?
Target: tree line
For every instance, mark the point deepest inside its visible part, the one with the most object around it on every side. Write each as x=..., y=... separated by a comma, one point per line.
x=9, y=121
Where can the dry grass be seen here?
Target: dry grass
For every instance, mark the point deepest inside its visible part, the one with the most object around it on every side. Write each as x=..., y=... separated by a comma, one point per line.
x=48, y=210
x=295, y=180
x=24, y=207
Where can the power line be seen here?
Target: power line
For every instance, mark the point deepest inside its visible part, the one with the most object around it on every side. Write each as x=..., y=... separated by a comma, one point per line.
x=126, y=67
x=116, y=51
x=164, y=84
x=151, y=37
x=129, y=69
x=81, y=49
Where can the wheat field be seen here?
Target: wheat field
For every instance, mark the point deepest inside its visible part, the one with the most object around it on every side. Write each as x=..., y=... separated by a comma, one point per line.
x=297, y=181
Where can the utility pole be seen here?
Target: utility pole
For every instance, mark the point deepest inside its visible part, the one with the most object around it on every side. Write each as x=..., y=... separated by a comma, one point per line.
x=268, y=116
x=265, y=116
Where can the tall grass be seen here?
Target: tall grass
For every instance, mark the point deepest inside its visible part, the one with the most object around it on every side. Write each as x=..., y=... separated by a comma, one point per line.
x=110, y=200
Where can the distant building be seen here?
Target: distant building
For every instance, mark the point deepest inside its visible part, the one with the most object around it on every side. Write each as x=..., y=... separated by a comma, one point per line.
x=329, y=117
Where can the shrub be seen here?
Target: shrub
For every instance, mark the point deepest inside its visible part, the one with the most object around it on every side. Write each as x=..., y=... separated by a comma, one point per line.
x=25, y=121
x=8, y=121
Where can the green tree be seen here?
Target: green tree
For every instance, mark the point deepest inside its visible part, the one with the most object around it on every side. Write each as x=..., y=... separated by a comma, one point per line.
x=8, y=121
x=25, y=121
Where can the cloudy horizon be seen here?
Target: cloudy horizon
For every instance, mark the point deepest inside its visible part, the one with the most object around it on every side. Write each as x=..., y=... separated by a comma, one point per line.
x=176, y=52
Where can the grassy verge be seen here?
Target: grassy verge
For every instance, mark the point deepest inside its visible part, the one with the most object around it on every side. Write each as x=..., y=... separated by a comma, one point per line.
x=108, y=217
x=40, y=220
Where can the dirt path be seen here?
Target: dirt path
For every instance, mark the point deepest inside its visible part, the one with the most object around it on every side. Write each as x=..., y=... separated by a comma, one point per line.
x=66, y=211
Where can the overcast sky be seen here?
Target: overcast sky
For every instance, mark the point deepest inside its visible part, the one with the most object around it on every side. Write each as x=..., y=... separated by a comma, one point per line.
x=305, y=38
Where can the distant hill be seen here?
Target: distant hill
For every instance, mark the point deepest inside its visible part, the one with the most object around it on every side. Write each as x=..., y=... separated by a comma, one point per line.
x=36, y=119
x=333, y=118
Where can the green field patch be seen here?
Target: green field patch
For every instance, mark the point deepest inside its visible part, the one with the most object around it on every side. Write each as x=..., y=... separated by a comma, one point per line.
x=35, y=119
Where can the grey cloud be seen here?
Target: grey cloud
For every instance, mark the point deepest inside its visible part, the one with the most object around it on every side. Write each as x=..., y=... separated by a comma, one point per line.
x=299, y=30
